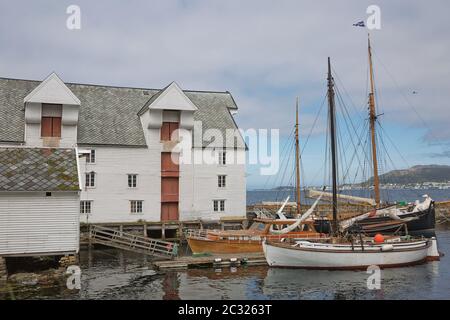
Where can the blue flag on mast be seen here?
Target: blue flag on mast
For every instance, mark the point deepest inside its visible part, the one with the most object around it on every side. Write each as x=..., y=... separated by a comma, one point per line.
x=359, y=24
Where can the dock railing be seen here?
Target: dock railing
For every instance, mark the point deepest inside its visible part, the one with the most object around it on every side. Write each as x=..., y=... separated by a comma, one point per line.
x=130, y=242
x=196, y=233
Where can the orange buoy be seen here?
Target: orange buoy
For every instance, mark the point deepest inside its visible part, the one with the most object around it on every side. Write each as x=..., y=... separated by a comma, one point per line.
x=378, y=238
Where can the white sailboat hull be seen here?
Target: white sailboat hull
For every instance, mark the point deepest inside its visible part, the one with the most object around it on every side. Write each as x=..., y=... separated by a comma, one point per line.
x=332, y=256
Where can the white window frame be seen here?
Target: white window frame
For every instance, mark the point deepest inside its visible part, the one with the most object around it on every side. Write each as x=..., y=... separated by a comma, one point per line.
x=219, y=205
x=88, y=180
x=130, y=178
x=92, y=155
x=223, y=157
x=86, y=206
x=222, y=181
x=136, y=206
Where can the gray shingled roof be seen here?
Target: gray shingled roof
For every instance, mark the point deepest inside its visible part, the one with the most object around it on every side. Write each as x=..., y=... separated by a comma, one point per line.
x=38, y=169
x=109, y=115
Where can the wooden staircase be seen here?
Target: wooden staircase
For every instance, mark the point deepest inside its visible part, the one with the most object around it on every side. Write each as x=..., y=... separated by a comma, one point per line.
x=134, y=243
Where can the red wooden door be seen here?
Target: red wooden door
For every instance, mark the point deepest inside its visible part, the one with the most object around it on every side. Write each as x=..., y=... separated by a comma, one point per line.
x=169, y=165
x=51, y=127
x=169, y=189
x=56, y=127
x=46, y=127
x=169, y=211
x=167, y=130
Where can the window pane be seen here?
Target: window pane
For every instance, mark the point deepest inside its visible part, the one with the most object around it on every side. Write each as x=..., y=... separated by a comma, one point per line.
x=222, y=157
x=90, y=179
x=91, y=157
x=132, y=180
x=85, y=206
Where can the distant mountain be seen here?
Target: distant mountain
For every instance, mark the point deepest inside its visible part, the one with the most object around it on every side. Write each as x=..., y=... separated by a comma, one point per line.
x=417, y=174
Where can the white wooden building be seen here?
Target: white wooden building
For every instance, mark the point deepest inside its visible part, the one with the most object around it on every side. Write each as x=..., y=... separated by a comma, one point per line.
x=39, y=201
x=127, y=136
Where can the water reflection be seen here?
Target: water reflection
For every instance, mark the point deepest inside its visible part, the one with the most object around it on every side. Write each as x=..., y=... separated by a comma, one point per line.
x=170, y=285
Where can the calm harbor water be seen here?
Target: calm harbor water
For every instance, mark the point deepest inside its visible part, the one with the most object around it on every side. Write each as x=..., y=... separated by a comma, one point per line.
x=114, y=274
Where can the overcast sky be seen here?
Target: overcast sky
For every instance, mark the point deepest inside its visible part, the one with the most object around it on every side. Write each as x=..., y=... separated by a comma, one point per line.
x=264, y=52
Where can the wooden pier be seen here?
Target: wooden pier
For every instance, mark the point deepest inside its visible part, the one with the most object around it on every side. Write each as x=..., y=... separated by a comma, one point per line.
x=212, y=261
x=134, y=243
x=165, y=230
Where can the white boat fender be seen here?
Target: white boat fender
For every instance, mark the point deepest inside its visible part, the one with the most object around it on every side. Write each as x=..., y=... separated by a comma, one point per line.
x=387, y=247
x=233, y=259
x=218, y=260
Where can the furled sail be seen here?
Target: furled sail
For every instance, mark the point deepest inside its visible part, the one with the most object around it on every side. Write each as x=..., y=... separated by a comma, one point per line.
x=280, y=211
x=298, y=221
x=342, y=197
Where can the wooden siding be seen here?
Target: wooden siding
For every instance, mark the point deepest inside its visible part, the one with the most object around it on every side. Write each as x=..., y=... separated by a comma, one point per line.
x=31, y=223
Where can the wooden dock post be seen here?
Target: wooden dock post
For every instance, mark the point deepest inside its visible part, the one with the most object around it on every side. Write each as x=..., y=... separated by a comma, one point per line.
x=89, y=230
x=145, y=230
x=3, y=270
x=163, y=231
x=121, y=230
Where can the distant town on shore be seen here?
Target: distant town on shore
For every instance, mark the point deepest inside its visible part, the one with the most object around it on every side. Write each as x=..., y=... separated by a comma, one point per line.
x=421, y=177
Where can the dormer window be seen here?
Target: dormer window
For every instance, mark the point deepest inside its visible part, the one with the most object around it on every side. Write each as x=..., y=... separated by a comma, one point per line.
x=51, y=120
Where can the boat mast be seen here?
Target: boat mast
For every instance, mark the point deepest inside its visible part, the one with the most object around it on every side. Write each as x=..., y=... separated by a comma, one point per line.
x=297, y=159
x=373, y=119
x=333, y=144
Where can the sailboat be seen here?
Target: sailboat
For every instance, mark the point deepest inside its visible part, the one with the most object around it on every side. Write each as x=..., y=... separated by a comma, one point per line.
x=348, y=252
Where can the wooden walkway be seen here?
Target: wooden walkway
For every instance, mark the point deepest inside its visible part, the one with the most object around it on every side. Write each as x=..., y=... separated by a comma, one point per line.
x=134, y=243
x=213, y=261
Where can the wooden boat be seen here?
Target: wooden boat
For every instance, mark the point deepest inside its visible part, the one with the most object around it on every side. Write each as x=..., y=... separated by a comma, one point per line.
x=420, y=218
x=249, y=240
x=325, y=255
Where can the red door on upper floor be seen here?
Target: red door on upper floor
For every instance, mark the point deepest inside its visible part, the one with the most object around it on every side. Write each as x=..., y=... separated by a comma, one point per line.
x=167, y=130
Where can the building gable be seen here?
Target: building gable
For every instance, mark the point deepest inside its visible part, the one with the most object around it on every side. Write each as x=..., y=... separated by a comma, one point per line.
x=52, y=90
x=172, y=98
